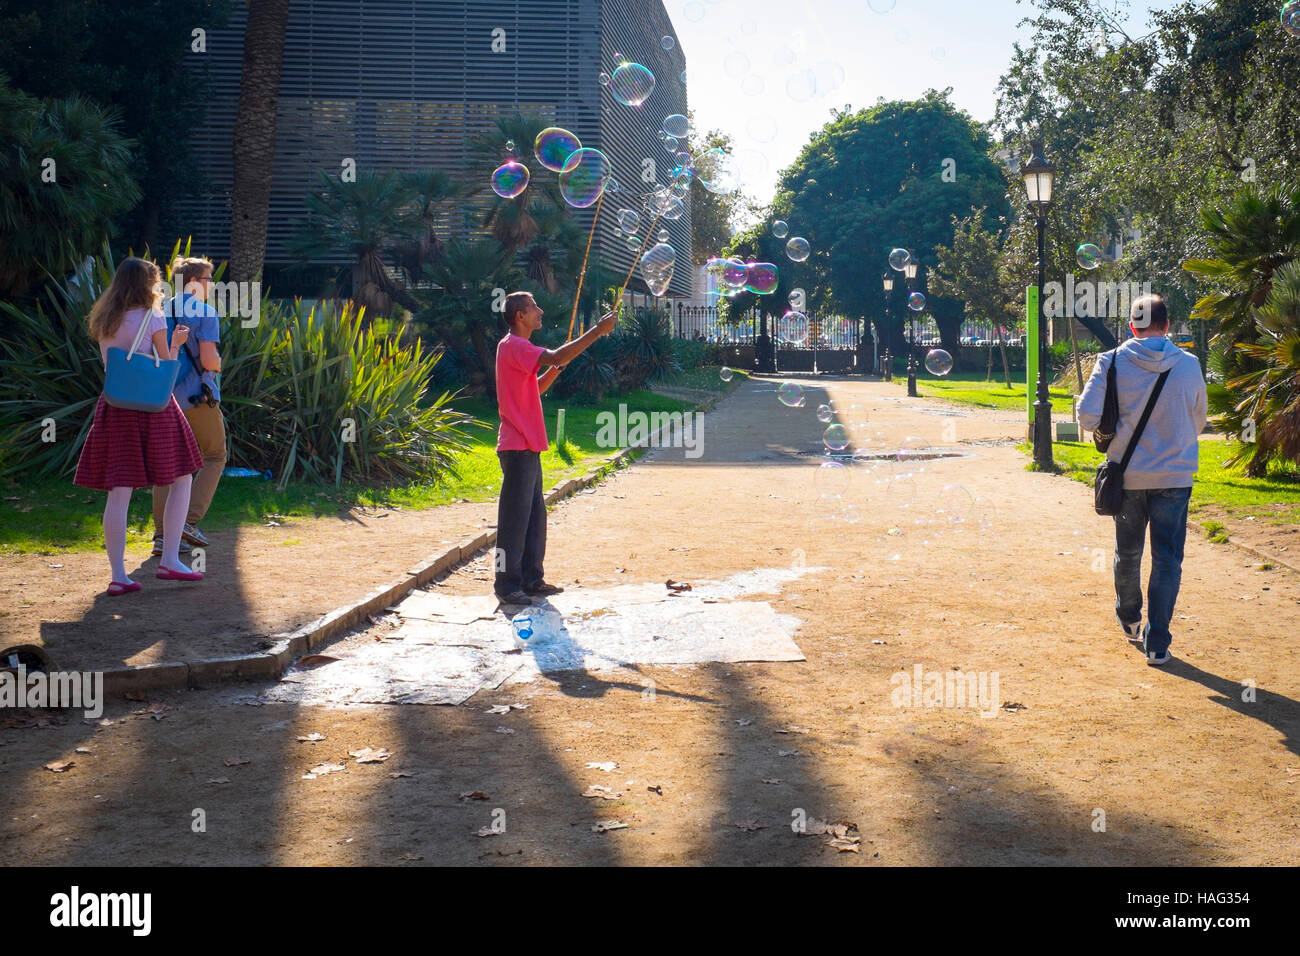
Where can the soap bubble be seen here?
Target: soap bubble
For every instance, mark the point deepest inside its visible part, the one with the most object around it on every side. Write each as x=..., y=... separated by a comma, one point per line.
x=717, y=171
x=632, y=84
x=1089, y=256
x=780, y=229
x=634, y=242
x=604, y=79
x=510, y=146
x=584, y=177
x=898, y=259
x=693, y=11
x=613, y=186
x=629, y=220
x=955, y=505
x=938, y=362
x=554, y=146
x=1291, y=17
x=797, y=249
x=916, y=302
x=661, y=235
x=726, y=374
x=683, y=77
x=735, y=63
x=832, y=478
x=670, y=144
x=667, y=43
x=762, y=278
x=836, y=437
x=657, y=267
x=825, y=413
x=911, y=451
x=510, y=180
x=752, y=85
x=674, y=209
x=797, y=299
x=793, y=328
x=677, y=125
x=735, y=274
x=790, y=394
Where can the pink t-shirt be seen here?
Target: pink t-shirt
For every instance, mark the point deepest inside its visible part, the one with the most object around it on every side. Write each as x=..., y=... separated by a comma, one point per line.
x=518, y=399
x=125, y=333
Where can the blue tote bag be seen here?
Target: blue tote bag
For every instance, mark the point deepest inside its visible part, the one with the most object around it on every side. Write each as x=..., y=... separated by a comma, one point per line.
x=136, y=381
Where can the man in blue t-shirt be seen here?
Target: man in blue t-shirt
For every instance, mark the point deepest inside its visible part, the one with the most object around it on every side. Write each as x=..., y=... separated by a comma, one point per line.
x=197, y=392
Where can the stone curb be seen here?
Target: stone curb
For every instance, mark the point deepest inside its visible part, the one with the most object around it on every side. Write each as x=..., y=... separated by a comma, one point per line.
x=271, y=663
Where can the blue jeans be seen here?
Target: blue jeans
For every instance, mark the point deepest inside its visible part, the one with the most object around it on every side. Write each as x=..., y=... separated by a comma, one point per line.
x=1165, y=510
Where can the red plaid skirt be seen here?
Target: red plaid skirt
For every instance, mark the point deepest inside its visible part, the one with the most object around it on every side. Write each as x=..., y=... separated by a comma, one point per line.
x=130, y=449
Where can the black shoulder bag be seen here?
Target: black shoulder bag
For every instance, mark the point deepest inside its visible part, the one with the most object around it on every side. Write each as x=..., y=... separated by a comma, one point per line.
x=1105, y=433
x=1108, y=488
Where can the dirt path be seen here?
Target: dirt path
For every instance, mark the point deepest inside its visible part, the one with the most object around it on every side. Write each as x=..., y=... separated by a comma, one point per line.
x=717, y=762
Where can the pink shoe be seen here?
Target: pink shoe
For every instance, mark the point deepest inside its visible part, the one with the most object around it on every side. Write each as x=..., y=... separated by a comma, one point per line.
x=117, y=588
x=168, y=574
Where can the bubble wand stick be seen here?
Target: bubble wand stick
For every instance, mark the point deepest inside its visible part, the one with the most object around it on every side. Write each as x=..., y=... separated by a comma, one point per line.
x=583, y=273
x=618, y=302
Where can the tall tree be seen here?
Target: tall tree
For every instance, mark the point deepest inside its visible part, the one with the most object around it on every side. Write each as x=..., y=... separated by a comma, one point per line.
x=254, y=145
x=713, y=216
x=968, y=270
x=890, y=176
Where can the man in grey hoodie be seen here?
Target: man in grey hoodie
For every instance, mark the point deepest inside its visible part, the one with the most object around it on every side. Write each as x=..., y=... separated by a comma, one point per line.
x=1158, y=481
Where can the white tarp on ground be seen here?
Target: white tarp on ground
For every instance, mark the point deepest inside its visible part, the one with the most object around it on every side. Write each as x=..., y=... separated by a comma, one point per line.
x=448, y=648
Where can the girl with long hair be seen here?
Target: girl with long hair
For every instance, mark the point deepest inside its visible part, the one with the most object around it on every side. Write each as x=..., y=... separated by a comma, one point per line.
x=128, y=449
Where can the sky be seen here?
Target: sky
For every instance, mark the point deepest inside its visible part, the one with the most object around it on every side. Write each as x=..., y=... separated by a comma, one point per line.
x=769, y=71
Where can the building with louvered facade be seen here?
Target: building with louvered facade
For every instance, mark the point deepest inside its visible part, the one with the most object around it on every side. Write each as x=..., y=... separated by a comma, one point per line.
x=408, y=84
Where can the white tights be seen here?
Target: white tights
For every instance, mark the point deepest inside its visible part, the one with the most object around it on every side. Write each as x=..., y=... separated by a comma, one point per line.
x=115, y=512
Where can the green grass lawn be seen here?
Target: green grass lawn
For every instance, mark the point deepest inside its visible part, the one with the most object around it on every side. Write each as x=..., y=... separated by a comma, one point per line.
x=969, y=388
x=1219, y=488
x=51, y=515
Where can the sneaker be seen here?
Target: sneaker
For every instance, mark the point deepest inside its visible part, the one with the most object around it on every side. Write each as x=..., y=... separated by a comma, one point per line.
x=194, y=536
x=542, y=589
x=184, y=547
x=1132, y=631
x=1157, y=659
x=515, y=597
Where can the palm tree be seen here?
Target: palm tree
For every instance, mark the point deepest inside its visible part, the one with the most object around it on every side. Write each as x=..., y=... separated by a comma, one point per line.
x=254, y=141
x=1255, y=235
x=460, y=317
x=368, y=219
x=432, y=188
x=1270, y=397
x=514, y=222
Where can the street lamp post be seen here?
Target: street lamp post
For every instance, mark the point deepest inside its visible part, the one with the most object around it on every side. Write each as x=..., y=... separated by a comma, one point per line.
x=1039, y=176
x=910, y=271
x=888, y=281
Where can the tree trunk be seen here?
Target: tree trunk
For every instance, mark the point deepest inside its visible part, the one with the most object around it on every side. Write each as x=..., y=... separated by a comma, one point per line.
x=1006, y=365
x=1074, y=346
x=254, y=144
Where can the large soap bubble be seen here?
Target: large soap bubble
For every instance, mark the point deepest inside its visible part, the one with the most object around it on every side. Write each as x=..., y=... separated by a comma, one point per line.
x=632, y=84
x=1088, y=256
x=629, y=221
x=657, y=267
x=798, y=249
x=584, y=177
x=1291, y=17
x=554, y=146
x=717, y=171
x=938, y=362
x=793, y=328
x=735, y=274
x=676, y=126
x=510, y=179
x=762, y=279
x=898, y=259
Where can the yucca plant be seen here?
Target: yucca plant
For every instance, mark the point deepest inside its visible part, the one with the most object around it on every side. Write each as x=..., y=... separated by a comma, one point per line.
x=313, y=394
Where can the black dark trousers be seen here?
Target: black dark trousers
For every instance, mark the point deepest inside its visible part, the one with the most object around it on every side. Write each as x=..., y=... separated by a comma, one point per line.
x=521, y=522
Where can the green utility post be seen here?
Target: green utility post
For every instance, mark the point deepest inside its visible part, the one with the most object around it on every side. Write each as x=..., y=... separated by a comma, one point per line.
x=559, y=430
x=1031, y=353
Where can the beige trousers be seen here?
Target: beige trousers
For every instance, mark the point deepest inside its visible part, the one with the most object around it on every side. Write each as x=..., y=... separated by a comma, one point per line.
x=209, y=427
